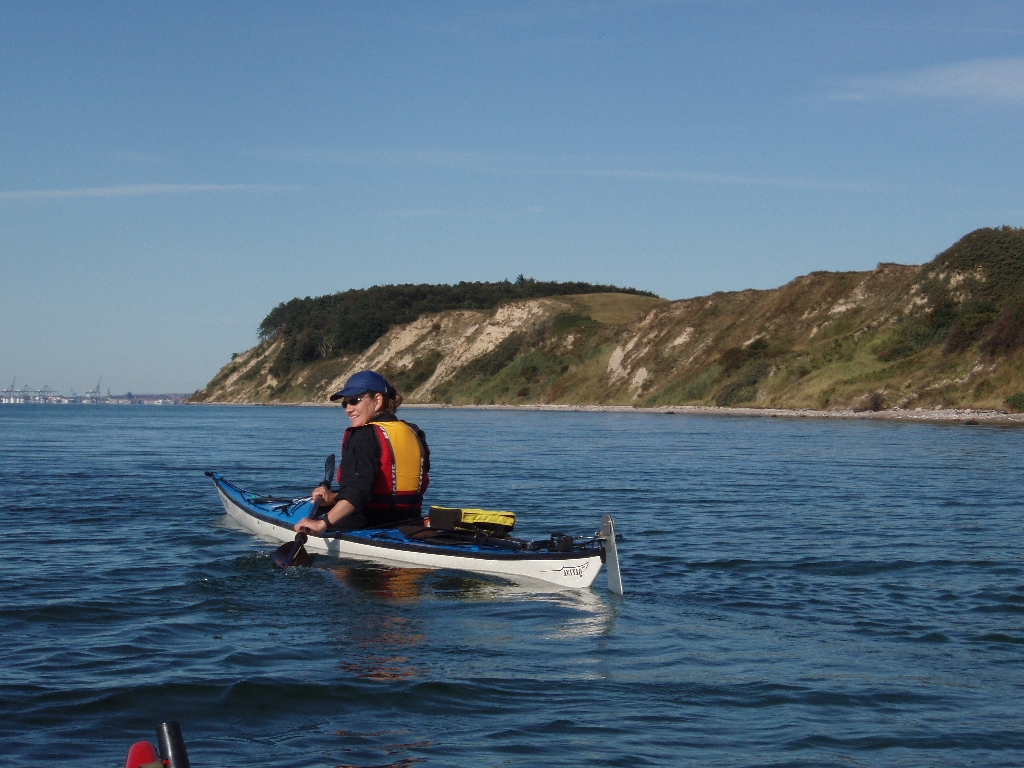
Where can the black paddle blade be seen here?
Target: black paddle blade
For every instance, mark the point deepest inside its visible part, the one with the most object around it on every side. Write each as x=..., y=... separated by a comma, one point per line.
x=292, y=553
x=329, y=471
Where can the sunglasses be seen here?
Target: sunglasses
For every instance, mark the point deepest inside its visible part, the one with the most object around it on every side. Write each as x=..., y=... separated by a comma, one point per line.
x=353, y=401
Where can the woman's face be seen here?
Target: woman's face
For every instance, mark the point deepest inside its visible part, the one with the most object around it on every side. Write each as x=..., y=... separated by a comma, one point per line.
x=368, y=406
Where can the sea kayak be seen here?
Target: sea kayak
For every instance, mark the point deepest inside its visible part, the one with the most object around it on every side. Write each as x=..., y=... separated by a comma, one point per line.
x=563, y=561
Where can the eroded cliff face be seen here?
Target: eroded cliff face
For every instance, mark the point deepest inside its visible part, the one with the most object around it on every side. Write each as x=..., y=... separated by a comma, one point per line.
x=418, y=357
x=826, y=340
x=766, y=341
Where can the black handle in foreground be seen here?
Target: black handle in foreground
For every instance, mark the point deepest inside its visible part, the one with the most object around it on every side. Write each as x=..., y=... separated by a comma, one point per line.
x=172, y=745
x=293, y=552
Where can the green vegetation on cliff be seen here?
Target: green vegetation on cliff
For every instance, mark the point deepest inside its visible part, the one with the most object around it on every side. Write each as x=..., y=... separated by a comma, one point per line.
x=974, y=294
x=350, y=321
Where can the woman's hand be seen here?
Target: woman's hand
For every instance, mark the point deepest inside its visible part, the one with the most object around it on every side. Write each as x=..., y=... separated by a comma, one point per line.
x=326, y=497
x=305, y=525
x=342, y=509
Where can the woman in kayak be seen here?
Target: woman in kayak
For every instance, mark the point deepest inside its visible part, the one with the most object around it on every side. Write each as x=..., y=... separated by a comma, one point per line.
x=384, y=462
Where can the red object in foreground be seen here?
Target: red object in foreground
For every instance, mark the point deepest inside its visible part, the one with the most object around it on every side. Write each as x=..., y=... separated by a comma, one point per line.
x=141, y=753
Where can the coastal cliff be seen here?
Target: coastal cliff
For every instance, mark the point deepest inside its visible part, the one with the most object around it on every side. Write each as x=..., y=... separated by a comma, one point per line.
x=947, y=333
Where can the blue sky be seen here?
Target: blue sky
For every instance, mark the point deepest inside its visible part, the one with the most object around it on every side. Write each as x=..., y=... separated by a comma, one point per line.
x=169, y=172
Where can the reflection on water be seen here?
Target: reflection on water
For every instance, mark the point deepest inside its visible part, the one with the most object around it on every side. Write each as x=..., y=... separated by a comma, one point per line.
x=593, y=615
x=448, y=585
x=392, y=612
x=378, y=742
x=380, y=581
x=375, y=644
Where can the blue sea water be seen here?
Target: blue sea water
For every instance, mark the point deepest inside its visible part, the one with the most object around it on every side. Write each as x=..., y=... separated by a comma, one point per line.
x=798, y=592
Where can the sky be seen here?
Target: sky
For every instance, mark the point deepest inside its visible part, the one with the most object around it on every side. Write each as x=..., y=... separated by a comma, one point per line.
x=170, y=172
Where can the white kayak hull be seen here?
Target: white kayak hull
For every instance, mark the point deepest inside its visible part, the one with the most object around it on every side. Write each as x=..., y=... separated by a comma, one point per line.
x=570, y=570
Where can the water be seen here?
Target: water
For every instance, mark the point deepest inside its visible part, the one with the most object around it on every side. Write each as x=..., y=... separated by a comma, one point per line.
x=798, y=593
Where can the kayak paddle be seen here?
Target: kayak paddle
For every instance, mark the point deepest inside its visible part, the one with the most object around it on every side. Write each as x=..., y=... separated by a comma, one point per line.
x=293, y=552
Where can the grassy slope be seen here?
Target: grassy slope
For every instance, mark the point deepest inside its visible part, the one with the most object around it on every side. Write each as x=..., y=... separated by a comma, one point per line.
x=863, y=340
x=950, y=333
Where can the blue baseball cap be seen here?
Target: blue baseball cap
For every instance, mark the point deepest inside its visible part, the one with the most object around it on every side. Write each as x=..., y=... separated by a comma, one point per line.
x=365, y=381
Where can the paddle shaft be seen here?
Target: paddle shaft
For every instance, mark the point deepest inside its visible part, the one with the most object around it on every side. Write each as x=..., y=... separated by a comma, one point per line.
x=314, y=514
x=287, y=554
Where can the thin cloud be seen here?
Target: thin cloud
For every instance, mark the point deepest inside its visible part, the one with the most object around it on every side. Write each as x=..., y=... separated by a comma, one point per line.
x=721, y=179
x=138, y=190
x=461, y=213
x=389, y=158
x=566, y=166
x=139, y=157
x=1000, y=80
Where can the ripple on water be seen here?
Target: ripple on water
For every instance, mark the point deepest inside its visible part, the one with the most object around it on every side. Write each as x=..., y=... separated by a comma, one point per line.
x=797, y=594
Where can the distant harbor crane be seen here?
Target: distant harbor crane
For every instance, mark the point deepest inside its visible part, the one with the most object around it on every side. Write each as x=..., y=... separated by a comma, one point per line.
x=48, y=395
x=93, y=395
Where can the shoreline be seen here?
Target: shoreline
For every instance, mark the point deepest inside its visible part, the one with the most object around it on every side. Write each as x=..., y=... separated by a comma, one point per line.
x=965, y=416
x=929, y=415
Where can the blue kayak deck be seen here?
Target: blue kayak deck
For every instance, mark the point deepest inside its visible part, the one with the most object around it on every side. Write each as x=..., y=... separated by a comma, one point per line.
x=286, y=513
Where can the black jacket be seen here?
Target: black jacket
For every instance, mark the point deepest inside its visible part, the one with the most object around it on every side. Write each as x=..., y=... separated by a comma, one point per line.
x=360, y=460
